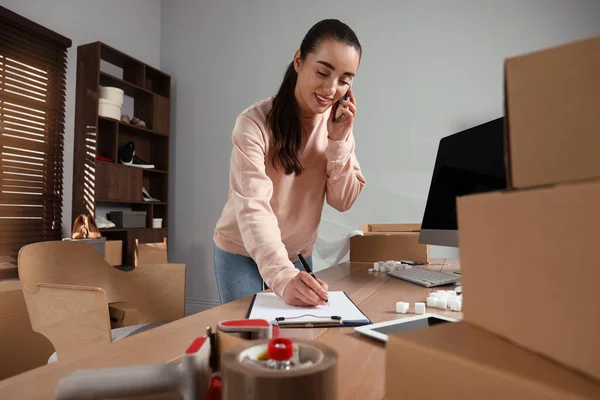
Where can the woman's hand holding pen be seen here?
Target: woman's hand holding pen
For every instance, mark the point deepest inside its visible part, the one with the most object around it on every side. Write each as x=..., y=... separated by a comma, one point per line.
x=305, y=291
x=340, y=129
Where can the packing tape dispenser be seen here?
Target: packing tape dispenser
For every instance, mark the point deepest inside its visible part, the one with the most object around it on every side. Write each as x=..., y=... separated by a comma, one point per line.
x=243, y=359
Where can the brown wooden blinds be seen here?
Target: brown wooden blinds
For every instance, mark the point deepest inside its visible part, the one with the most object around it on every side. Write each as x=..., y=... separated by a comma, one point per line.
x=32, y=108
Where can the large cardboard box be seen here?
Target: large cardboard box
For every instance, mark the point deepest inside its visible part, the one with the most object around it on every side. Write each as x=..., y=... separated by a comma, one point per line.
x=383, y=242
x=462, y=362
x=530, y=272
x=552, y=102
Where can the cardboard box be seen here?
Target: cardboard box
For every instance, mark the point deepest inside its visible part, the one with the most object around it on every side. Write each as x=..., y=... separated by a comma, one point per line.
x=551, y=104
x=383, y=242
x=530, y=272
x=460, y=361
x=113, y=252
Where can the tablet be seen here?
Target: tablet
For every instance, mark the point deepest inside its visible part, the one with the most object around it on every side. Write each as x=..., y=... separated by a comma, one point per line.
x=381, y=330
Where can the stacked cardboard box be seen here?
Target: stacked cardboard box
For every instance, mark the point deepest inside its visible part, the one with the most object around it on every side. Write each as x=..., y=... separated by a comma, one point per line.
x=383, y=242
x=529, y=271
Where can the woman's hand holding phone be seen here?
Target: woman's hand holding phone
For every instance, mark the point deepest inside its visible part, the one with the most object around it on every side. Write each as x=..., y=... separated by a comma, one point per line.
x=339, y=128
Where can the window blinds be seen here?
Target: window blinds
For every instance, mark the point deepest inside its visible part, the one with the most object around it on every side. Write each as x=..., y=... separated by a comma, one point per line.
x=32, y=107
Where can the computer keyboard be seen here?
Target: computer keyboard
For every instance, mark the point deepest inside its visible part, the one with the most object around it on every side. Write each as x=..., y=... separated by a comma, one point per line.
x=425, y=277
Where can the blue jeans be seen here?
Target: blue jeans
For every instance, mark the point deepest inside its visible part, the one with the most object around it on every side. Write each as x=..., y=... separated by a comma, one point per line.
x=237, y=276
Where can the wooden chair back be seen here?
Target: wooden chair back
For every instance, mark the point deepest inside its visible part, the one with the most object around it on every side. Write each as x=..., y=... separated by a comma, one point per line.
x=67, y=263
x=152, y=253
x=67, y=286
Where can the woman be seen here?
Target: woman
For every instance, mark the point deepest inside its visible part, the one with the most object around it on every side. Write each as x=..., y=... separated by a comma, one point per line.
x=289, y=155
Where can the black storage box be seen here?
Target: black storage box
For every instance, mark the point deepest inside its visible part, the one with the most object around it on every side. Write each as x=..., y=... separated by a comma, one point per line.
x=128, y=219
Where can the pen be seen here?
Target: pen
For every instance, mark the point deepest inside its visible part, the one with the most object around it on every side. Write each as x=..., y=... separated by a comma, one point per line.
x=307, y=268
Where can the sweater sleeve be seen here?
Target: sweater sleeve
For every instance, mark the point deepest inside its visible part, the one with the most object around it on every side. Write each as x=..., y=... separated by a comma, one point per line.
x=251, y=191
x=344, y=177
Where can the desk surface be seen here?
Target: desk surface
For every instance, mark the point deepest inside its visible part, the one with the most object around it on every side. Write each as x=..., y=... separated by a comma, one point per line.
x=361, y=359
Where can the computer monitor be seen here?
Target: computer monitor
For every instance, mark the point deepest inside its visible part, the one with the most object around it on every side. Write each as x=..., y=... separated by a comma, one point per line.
x=471, y=161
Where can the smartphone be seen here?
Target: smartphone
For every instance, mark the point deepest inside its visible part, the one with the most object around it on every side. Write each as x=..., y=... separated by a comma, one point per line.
x=409, y=262
x=338, y=110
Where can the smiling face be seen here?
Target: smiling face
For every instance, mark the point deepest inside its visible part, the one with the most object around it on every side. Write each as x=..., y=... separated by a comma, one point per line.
x=324, y=76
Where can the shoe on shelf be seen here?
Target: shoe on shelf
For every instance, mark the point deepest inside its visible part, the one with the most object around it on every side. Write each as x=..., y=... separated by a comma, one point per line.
x=146, y=196
x=92, y=228
x=127, y=157
x=138, y=122
x=79, y=230
x=103, y=223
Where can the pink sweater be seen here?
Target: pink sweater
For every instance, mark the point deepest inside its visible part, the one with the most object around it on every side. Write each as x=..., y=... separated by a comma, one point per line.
x=272, y=217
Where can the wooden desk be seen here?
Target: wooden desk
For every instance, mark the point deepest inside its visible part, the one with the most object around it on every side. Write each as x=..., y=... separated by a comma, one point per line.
x=361, y=359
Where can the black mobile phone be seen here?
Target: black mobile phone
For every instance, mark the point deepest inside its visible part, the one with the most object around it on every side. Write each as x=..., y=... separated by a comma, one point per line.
x=409, y=262
x=338, y=111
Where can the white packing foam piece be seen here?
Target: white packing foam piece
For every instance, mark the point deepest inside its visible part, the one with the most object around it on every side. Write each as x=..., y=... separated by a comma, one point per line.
x=455, y=305
x=401, y=307
x=452, y=304
x=441, y=304
x=376, y=268
x=451, y=292
x=420, y=308
x=371, y=269
x=431, y=302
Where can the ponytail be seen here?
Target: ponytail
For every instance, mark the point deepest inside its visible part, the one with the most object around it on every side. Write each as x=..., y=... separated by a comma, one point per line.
x=285, y=125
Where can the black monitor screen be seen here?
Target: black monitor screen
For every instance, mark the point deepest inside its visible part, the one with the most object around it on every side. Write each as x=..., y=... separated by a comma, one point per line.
x=468, y=162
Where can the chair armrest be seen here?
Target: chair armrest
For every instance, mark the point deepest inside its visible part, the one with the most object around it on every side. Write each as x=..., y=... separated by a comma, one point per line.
x=71, y=317
x=123, y=314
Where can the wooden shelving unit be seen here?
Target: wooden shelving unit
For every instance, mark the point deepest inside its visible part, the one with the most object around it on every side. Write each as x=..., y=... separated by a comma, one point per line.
x=111, y=183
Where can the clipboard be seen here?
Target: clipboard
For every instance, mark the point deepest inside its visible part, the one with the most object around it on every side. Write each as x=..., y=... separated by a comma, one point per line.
x=341, y=312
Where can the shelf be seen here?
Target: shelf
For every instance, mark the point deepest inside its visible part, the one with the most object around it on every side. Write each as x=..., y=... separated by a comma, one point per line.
x=153, y=170
x=158, y=203
x=131, y=129
x=110, y=230
x=116, y=185
x=129, y=88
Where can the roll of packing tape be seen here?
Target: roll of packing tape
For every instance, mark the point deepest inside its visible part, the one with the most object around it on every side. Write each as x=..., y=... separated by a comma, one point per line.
x=314, y=375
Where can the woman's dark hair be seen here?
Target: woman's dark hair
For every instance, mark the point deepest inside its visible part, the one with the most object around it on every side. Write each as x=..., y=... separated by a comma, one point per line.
x=283, y=119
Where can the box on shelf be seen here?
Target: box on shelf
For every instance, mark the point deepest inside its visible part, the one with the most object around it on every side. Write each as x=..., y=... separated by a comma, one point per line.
x=529, y=271
x=112, y=94
x=128, y=219
x=108, y=109
x=99, y=244
x=382, y=242
x=467, y=362
x=551, y=105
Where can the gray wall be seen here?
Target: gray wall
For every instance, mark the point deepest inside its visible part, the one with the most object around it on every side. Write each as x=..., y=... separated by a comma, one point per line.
x=429, y=69
x=132, y=26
